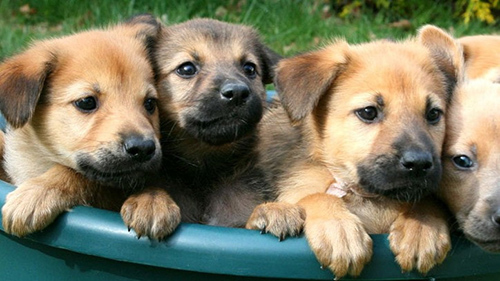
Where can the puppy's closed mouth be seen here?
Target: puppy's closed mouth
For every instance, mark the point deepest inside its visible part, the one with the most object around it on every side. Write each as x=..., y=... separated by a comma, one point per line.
x=221, y=130
x=108, y=176
x=116, y=174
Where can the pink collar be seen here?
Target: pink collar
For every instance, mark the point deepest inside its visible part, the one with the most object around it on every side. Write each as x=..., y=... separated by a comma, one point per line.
x=340, y=189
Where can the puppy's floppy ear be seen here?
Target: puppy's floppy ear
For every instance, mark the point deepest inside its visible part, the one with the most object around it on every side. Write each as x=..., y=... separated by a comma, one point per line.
x=446, y=52
x=302, y=80
x=22, y=80
x=269, y=59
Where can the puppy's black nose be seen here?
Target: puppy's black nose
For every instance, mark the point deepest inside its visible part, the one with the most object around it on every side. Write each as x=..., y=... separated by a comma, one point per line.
x=139, y=149
x=417, y=161
x=496, y=218
x=235, y=93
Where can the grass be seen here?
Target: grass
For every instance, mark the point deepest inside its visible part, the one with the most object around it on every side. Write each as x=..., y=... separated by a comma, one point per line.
x=288, y=26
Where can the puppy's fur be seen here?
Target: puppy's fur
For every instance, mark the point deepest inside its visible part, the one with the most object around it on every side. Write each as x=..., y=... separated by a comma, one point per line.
x=83, y=123
x=471, y=174
x=212, y=76
x=481, y=56
x=3, y=174
x=364, y=150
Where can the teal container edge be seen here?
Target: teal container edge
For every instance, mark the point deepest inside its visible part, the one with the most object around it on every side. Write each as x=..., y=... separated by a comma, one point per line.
x=219, y=252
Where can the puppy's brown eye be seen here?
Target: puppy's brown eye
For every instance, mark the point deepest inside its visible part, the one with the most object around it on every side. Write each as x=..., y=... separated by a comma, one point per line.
x=250, y=69
x=433, y=116
x=186, y=70
x=150, y=105
x=367, y=114
x=462, y=162
x=87, y=104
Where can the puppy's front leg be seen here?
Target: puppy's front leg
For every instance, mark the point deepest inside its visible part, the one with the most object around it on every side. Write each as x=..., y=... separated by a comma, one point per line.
x=336, y=236
x=151, y=212
x=420, y=236
x=35, y=203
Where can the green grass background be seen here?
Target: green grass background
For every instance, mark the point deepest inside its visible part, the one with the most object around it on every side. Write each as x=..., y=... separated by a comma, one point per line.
x=288, y=26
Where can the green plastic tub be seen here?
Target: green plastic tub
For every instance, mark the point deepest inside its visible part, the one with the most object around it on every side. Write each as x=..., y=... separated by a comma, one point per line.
x=93, y=244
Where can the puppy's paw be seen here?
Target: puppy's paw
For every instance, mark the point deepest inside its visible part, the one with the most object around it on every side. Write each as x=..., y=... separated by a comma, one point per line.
x=279, y=218
x=32, y=207
x=419, y=244
x=151, y=213
x=342, y=245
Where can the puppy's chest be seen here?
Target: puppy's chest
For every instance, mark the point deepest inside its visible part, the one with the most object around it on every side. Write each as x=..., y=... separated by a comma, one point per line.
x=223, y=204
x=376, y=214
x=222, y=193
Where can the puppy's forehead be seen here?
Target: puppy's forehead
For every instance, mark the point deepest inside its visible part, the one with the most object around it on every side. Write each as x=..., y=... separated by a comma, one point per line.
x=208, y=40
x=102, y=60
x=474, y=121
x=394, y=73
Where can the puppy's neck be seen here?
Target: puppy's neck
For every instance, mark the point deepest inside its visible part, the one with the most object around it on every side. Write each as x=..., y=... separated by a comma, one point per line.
x=194, y=159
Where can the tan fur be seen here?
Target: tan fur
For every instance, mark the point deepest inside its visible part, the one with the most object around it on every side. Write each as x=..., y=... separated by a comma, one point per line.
x=268, y=217
x=472, y=194
x=150, y=213
x=50, y=143
x=482, y=58
x=3, y=174
x=321, y=92
x=208, y=139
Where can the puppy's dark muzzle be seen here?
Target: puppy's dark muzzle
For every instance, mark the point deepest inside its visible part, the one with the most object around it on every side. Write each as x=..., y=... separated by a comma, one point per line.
x=235, y=93
x=406, y=176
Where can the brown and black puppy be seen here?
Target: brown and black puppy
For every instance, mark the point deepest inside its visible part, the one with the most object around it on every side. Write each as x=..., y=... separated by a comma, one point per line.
x=471, y=162
x=83, y=122
x=362, y=149
x=211, y=75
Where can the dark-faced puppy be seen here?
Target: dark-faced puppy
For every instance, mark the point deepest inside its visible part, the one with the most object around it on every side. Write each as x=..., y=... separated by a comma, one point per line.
x=471, y=178
x=364, y=149
x=212, y=76
x=83, y=122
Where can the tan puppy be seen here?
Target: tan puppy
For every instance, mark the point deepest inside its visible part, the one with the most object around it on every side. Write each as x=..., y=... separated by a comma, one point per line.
x=364, y=150
x=212, y=76
x=83, y=123
x=481, y=56
x=471, y=175
x=470, y=156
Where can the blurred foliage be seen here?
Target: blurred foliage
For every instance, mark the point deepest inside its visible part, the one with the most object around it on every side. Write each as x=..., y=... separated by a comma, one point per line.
x=287, y=26
x=476, y=9
x=468, y=10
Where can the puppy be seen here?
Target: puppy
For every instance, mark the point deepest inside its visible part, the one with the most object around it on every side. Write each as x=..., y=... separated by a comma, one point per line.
x=471, y=170
x=481, y=56
x=470, y=160
x=211, y=75
x=83, y=122
x=364, y=149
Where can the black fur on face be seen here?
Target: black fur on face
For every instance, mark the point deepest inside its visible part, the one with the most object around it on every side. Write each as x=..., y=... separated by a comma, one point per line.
x=117, y=167
x=219, y=120
x=410, y=172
